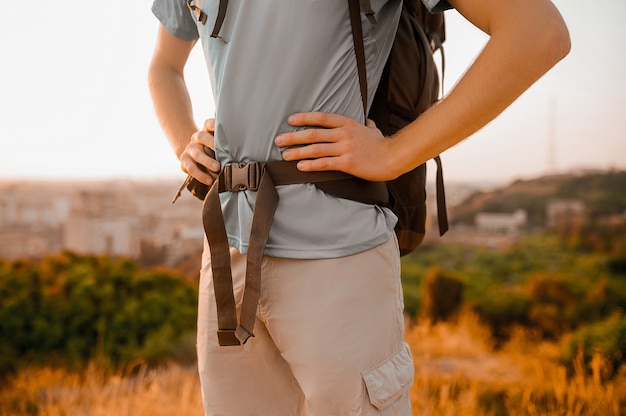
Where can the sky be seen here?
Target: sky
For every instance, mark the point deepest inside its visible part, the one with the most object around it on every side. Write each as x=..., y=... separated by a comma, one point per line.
x=74, y=99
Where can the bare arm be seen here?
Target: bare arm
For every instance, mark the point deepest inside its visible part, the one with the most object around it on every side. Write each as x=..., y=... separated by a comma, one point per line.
x=527, y=38
x=173, y=105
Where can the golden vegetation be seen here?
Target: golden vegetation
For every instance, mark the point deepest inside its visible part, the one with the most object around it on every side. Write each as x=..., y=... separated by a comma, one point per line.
x=170, y=390
x=457, y=372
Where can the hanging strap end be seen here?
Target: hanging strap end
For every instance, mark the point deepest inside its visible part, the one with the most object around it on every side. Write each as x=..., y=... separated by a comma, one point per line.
x=242, y=334
x=227, y=338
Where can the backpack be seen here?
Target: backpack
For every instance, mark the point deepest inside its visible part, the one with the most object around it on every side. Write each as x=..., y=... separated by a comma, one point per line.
x=409, y=86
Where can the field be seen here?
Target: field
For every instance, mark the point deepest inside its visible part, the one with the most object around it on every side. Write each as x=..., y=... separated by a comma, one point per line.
x=457, y=372
x=537, y=327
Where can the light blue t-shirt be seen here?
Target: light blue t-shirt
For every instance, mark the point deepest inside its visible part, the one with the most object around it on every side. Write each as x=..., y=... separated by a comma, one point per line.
x=281, y=57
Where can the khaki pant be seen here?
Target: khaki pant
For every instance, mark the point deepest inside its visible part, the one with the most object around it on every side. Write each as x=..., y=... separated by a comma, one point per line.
x=329, y=340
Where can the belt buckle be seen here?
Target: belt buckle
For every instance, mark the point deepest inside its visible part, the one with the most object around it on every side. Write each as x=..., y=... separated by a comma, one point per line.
x=242, y=176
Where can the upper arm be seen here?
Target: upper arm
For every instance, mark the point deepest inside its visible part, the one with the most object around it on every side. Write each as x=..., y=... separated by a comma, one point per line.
x=171, y=51
x=523, y=25
x=176, y=35
x=492, y=16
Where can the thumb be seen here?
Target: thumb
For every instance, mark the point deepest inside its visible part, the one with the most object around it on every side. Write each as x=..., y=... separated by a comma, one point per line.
x=209, y=125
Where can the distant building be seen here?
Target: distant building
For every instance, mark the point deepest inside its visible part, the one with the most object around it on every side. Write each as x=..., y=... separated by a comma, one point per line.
x=101, y=222
x=30, y=222
x=113, y=236
x=507, y=223
x=22, y=243
x=565, y=211
x=118, y=218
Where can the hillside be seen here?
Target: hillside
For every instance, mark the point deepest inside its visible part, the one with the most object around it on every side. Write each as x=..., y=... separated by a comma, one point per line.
x=604, y=194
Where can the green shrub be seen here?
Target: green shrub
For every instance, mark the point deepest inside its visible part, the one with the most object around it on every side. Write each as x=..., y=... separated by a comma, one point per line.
x=607, y=338
x=553, y=303
x=442, y=294
x=503, y=307
x=73, y=308
x=617, y=265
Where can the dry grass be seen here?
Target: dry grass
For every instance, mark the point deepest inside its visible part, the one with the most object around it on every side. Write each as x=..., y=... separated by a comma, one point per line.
x=171, y=390
x=457, y=372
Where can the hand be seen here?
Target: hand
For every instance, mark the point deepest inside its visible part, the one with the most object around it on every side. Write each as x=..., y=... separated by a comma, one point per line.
x=342, y=144
x=194, y=159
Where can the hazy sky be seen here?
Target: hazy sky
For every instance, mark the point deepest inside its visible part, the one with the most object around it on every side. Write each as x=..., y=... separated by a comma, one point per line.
x=74, y=101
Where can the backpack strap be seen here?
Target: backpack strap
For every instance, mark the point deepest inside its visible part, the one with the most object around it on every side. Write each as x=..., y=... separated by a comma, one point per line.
x=442, y=212
x=229, y=332
x=221, y=14
x=359, y=49
x=198, y=11
x=262, y=178
x=219, y=20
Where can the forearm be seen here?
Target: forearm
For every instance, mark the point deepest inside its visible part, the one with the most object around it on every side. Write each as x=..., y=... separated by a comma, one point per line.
x=524, y=45
x=172, y=105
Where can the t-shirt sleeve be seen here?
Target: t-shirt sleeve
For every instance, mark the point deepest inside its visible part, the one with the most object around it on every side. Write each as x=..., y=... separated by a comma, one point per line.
x=436, y=6
x=175, y=16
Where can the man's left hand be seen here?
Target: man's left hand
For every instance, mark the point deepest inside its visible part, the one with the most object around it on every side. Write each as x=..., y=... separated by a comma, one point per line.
x=341, y=144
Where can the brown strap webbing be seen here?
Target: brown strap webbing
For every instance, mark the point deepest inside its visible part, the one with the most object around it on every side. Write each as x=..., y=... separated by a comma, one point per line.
x=229, y=331
x=198, y=11
x=339, y=184
x=215, y=231
x=263, y=178
x=359, y=49
x=221, y=14
x=442, y=212
x=267, y=199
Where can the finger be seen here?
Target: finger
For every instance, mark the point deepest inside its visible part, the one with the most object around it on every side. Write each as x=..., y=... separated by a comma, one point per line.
x=370, y=123
x=309, y=136
x=198, y=171
x=194, y=154
x=314, y=165
x=209, y=125
x=312, y=151
x=201, y=176
x=319, y=119
x=204, y=138
x=201, y=158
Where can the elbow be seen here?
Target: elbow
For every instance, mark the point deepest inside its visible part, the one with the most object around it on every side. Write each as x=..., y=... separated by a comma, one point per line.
x=561, y=41
x=159, y=74
x=556, y=42
x=154, y=73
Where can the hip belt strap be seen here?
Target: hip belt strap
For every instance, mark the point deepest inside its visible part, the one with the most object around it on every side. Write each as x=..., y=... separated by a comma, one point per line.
x=262, y=178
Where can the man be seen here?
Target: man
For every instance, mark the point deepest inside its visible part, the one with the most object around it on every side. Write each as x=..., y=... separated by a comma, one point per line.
x=328, y=338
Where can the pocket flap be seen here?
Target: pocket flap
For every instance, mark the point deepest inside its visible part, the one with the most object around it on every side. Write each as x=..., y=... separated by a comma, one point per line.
x=388, y=380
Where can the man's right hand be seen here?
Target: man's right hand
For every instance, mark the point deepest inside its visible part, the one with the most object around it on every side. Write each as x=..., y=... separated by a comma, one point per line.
x=195, y=161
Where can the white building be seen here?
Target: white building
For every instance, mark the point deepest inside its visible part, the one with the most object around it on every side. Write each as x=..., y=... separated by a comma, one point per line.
x=564, y=211
x=509, y=223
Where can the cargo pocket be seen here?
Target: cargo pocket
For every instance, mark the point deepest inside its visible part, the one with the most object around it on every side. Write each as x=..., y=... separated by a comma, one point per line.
x=390, y=379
